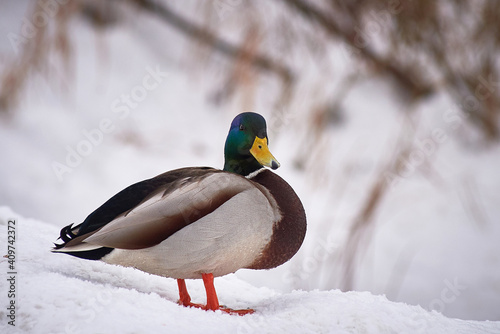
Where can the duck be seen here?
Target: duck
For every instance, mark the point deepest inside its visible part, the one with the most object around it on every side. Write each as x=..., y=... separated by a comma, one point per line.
x=199, y=222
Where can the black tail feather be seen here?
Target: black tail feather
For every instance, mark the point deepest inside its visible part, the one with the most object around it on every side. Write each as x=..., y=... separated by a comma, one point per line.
x=95, y=254
x=67, y=234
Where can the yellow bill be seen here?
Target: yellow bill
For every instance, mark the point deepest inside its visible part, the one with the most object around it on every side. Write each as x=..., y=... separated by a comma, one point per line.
x=262, y=154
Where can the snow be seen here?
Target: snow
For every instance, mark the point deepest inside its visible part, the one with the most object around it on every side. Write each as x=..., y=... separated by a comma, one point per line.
x=435, y=233
x=57, y=293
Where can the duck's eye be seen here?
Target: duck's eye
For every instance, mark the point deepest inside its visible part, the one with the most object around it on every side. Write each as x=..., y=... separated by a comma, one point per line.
x=242, y=127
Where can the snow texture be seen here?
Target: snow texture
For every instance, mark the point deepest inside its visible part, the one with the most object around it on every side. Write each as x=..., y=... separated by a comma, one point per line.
x=57, y=293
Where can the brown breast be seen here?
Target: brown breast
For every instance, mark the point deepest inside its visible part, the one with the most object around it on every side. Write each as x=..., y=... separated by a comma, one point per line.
x=289, y=232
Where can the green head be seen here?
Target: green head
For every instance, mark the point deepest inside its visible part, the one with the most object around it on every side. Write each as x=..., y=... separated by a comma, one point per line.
x=246, y=145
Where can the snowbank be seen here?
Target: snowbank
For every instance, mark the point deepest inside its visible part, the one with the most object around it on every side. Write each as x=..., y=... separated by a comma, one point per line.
x=60, y=294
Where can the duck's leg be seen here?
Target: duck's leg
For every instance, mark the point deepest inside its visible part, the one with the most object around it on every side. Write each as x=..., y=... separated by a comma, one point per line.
x=184, y=298
x=213, y=301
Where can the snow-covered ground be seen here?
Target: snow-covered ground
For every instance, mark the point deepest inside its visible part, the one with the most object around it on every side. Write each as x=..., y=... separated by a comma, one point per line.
x=73, y=142
x=56, y=293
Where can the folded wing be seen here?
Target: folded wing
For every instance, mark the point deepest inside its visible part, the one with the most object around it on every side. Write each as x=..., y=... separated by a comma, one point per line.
x=166, y=209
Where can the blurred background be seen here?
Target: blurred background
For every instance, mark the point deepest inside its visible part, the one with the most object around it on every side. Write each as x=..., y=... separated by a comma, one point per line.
x=383, y=114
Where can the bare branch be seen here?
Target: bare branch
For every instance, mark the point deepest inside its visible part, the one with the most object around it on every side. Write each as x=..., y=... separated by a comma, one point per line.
x=409, y=81
x=209, y=38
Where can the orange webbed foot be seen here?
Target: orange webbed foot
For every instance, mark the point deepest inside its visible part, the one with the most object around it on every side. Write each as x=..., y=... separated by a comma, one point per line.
x=212, y=300
x=236, y=312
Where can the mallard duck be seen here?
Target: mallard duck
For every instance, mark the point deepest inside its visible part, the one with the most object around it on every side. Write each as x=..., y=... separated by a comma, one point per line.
x=199, y=222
